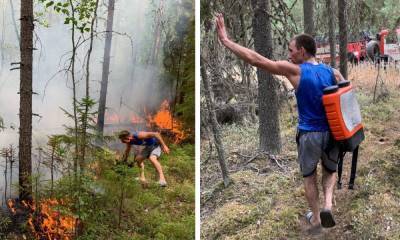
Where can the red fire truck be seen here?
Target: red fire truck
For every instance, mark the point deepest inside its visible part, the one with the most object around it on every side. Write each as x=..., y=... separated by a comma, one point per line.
x=386, y=47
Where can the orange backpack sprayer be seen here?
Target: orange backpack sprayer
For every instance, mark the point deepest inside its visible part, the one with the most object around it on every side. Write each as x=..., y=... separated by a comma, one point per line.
x=344, y=118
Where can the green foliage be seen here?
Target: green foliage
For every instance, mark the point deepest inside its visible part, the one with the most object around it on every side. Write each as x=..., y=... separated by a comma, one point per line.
x=182, y=165
x=182, y=229
x=179, y=65
x=79, y=14
x=94, y=196
x=86, y=128
x=5, y=223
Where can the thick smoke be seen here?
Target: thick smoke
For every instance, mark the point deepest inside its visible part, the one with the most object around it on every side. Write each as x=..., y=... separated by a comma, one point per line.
x=132, y=84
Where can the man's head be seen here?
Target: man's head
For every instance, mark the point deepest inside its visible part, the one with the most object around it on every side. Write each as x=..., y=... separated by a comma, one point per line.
x=301, y=48
x=124, y=136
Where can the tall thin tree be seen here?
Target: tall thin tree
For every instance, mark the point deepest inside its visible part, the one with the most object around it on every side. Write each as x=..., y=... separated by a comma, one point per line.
x=214, y=124
x=268, y=103
x=308, y=11
x=342, y=5
x=74, y=94
x=158, y=21
x=106, y=68
x=25, y=109
x=331, y=23
x=87, y=96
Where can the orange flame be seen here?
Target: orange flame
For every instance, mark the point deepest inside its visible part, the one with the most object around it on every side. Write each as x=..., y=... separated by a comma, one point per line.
x=164, y=120
x=46, y=222
x=136, y=119
x=112, y=118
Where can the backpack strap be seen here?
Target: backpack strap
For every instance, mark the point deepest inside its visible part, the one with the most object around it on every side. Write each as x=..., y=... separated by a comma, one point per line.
x=354, y=160
x=353, y=168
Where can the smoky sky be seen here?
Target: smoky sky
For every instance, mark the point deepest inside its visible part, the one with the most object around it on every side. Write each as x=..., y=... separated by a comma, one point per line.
x=132, y=84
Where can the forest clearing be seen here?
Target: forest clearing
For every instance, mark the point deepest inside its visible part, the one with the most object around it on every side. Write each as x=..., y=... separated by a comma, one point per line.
x=266, y=197
x=289, y=88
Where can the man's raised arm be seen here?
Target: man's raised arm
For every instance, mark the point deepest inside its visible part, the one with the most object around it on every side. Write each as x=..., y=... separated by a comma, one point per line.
x=284, y=68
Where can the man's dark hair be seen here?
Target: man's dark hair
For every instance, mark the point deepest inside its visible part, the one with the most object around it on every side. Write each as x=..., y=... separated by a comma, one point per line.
x=123, y=134
x=307, y=42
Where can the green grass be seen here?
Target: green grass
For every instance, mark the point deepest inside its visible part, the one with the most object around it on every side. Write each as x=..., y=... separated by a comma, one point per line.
x=150, y=212
x=162, y=213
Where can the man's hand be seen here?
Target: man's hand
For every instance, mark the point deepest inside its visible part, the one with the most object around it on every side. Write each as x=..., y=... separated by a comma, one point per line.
x=165, y=149
x=222, y=35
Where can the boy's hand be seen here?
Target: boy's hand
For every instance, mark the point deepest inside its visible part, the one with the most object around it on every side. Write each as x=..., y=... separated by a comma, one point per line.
x=165, y=149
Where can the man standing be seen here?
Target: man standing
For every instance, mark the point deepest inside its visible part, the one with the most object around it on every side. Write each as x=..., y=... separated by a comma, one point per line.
x=309, y=79
x=145, y=145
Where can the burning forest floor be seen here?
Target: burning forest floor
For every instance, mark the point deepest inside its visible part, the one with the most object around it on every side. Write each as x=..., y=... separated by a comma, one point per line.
x=266, y=199
x=147, y=212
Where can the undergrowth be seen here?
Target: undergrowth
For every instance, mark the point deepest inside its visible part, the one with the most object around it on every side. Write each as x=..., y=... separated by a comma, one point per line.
x=268, y=202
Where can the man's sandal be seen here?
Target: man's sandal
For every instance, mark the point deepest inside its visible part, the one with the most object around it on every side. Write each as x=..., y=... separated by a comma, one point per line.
x=314, y=229
x=327, y=220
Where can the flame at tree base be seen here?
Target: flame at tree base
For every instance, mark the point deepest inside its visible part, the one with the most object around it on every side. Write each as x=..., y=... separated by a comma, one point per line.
x=45, y=222
x=163, y=119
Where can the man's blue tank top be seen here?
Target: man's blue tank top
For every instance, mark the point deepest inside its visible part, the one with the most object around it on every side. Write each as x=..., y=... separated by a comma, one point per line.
x=146, y=142
x=313, y=79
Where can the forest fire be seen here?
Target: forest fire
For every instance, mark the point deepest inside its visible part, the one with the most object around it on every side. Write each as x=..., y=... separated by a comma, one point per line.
x=136, y=119
x=162, y=120
x=45, y=222
x=112, y=118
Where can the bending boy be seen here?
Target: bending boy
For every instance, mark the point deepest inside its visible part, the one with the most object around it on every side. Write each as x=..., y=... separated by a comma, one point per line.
x=146, y=145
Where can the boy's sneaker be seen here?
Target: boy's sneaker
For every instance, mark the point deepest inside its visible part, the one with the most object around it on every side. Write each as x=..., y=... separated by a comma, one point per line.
x=162, y=183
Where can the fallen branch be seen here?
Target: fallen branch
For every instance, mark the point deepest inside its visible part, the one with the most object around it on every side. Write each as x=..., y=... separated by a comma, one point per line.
x=253, y=158
x=245, y=156
x=277, y=163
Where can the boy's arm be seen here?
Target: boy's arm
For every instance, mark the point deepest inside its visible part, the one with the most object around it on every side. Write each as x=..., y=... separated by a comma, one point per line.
x=145, y=135
x=126, y=153
x=284, y=68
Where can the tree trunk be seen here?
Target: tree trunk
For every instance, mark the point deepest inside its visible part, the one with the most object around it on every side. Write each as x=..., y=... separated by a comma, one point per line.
x=74, y=101
x=25, y=110
x=332, y=40
x=106, y=68
x=157, y=34
x=268, y=103
x=308, y=11
x=342, y=5
x=5, y=177
x=177, y=83
x=11, y=166
x=53, y=149
x=214, y=124
x=87, y=96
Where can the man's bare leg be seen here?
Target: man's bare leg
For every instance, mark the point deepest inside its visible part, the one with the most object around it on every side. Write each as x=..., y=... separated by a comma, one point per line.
x=157, y=165
x=311, y=190
x=328, y=184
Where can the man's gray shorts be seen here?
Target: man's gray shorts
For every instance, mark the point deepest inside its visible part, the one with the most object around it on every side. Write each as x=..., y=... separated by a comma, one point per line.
x=313, y=146
x=146, y=151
